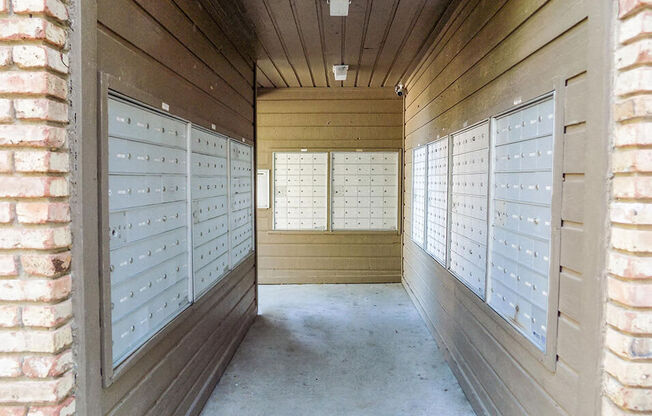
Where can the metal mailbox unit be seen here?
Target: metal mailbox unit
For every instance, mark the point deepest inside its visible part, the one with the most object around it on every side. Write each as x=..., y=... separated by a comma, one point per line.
x=210, y=220
x=521, y=201
x=419, y=182
x=148, y=253
x=300, y=190
x=159, y=258
x=364, y=191
x=437, y=196
x=469, y=192
x=241, y=201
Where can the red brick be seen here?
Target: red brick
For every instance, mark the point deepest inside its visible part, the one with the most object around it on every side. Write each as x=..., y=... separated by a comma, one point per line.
x=33, y=83
x=31, y=135
x=47, y=316
x=633, y=321
x=6, y=111
x=630, y=373
x=35, y=238
x=636, y=294
x=628, y=346
x=36, y=290
x=6, y=161
x=628, y=7
x=33, y=186
x=19, y=391
x=52, y=8
x=10, y=366
x=9, y=316
x=31, y=28
x=13, y=410
x=41, y=109
x=8, y=266
x=47, y=264
x=632, y=239
x=632, y=187
x=633, y=107
x=42, y=212
x=632, y=160
x=40, y=161
x=6, y=212
x=634, y=81
x=632, y=398
x=41, y=366
x=40, y=56
x=636, y=27
x=32, y=340
x=5, y=55
x=631, y=134
x=65, y=408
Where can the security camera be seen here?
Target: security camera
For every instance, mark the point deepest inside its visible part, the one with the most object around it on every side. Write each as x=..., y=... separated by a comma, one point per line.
x=400, y=90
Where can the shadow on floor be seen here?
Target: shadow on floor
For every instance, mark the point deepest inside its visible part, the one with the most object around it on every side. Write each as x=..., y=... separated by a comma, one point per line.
x=337, y=350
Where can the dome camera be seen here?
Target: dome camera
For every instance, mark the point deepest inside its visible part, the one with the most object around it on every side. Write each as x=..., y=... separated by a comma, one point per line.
x=400, y=90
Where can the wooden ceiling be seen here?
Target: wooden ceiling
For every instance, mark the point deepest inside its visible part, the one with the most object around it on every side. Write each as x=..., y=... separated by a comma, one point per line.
x=298, y=42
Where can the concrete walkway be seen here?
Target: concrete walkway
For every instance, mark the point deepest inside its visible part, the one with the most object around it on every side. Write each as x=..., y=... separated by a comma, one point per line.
x=320, y=350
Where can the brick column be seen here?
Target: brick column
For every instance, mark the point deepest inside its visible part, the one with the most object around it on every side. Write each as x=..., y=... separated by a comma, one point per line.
x=36, y=368
x=628, y=353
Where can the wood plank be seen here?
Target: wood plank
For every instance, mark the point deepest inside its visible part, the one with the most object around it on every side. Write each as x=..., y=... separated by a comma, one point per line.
x=306, y=14
x=330, y=120
x=575, y=97
x=333, y=28
x=401, y=26
x=208, y=27
x=280, y=249
x=574, y=149
x=572, y=203
x=135, y=68
x=345, y=93
x=348, y=134
x=417, y=41
x=330, y=106
x=129, y=21
x=284, y=21
x=380, y=18
x=570, y=288
x=269, y=41
x=357, y=25
x=276, y=277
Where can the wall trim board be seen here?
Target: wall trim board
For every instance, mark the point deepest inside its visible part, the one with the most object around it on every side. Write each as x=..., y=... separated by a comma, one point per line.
x=340, y=93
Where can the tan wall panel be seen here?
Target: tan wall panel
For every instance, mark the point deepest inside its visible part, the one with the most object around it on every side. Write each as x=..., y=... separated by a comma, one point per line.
x=154, y=48
x=489, y=56
x=293, y=119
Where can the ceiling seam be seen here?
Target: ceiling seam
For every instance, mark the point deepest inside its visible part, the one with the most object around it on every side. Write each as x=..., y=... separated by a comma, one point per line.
x=280, y=39
x=320, y=23
x=365, y=27
x=301, y=40
x=413, y=22
x=280, y=74
x=382, y=43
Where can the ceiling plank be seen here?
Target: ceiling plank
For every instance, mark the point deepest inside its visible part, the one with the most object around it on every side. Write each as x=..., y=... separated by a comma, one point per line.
x=308, y=27
x=332, y=27
x=269, y=43
x=285, y=25
x=417, y=42
x=356, y=26
x=262, y=80
x=382, y=13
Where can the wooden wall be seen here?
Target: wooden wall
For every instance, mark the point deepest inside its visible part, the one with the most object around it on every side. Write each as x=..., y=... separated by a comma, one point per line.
x=489, y=55
x=326, y=119
x=184, y=53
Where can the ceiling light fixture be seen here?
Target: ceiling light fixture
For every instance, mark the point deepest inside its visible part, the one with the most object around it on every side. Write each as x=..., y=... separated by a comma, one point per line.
x=339, y=7
x=340, y=72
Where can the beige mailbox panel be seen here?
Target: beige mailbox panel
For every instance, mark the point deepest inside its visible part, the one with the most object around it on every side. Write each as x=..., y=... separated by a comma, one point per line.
x=300, y=190
x=364, y=191
x=519, y=256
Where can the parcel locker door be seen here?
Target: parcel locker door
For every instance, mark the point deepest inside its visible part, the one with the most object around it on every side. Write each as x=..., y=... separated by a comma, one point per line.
x=469, y=184
x=148, y=247
x=520, y=231
x=241, y=197
x=209, y=193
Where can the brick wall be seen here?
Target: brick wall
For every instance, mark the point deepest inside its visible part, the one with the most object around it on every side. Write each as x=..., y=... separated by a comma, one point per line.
x=36, y=368
x=628, y=354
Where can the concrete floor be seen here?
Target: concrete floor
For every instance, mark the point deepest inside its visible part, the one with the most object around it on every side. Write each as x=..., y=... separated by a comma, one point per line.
x=337, y=350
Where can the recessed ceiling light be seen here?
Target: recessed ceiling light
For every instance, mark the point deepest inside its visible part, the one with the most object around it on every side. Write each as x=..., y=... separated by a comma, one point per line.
x=340, y=72
x=339, y=7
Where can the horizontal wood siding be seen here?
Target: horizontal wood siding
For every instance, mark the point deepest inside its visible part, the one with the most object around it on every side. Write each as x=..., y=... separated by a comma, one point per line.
x=489, y=55
x=180, y=52
x=323, y=119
